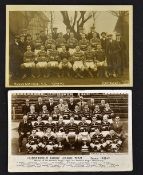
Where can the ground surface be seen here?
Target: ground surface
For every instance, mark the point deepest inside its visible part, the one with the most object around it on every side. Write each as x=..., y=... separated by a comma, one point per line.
x=14, y=142
x=55, y=81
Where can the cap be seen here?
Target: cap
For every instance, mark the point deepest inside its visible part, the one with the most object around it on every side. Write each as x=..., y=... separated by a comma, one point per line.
x=103, y=33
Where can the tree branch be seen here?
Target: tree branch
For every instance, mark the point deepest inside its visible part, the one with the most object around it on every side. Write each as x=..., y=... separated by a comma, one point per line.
x=75, y=17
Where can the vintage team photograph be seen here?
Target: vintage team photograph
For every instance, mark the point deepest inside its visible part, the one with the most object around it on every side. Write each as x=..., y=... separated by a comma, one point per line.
x=82, y=46
x=69, y=123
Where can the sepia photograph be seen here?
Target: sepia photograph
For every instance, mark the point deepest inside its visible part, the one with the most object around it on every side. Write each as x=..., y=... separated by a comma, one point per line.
x=82, y=46
x=70, y=127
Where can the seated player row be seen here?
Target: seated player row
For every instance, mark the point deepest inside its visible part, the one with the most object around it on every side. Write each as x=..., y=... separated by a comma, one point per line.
x=63, y=110
x=64, y=63
x=94, y=136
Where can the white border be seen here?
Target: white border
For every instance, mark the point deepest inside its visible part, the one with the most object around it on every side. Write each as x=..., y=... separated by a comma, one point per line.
x=125, y=162
x=72, y=8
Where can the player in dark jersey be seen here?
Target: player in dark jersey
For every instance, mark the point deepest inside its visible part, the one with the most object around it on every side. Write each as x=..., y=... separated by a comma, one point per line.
x=94, y=125
x=105, y=125
x=55, y=113
x=50, y=124
x=71, y=130
x=65, y=65
x=28, y=65
x=50, y=141
x=83, y=43
x=42, y=59
x=78, y=62
x=96, y=141
x=53, y=62
x=89, y=62
x=60, y=133
x=49, y=42
x=32, y=143
x=112, y=142
x=76, y=113
x=97, y=112
x=44, y=113
x=39, y=124
x=107, y=110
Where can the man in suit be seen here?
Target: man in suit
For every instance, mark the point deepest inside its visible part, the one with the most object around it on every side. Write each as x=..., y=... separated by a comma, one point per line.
x=67, y=35
x=55, y=33
x=118, y=126
x=123, y=56
x=91, y=104
x=71, y=104
x=113, y=56
x=51, y=105
x=26, y=107
x=81, y=103
x=24, y=130
x=39, y=105
x=16, y=57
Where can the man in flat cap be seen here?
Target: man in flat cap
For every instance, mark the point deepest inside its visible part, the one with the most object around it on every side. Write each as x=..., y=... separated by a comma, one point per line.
x=113, y=56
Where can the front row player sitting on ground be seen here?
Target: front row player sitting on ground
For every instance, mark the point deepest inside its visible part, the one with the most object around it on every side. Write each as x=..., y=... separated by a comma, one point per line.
x=50, y=141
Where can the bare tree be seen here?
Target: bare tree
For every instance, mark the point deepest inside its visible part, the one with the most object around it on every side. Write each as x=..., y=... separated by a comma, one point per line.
x=122, y=21
x=79, y=19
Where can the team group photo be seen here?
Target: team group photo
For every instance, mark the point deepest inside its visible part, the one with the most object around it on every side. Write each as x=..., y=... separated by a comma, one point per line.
x=69, y=123
x=54, y=47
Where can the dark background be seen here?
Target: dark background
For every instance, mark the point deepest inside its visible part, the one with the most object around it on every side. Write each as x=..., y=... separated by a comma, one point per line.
x=137, y=89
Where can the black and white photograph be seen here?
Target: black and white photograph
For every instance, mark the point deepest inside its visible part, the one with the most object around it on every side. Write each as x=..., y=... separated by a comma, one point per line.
x=82, y=46
x=86, y=124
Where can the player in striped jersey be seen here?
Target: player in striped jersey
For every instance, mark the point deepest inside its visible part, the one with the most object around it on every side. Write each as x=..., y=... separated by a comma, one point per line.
x=97, y=112
x=55, y=113
x=94, y=125
x=86, y=112
x=107, y=110
x=66, y=113
x=42, y=62
x=39, y=124
x=50, y=124
x=44, y=113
